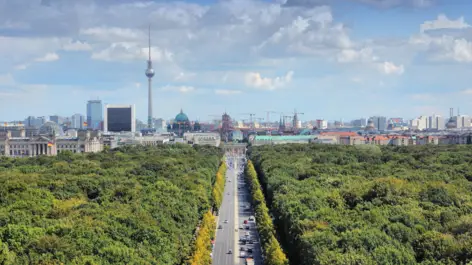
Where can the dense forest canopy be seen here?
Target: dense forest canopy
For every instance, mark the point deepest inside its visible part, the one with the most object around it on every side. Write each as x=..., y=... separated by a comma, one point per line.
x=133, y=205
x=337, y=204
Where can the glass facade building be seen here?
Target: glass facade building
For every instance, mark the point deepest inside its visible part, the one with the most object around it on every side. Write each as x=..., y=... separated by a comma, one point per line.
x=94, y=114
x=119, y=118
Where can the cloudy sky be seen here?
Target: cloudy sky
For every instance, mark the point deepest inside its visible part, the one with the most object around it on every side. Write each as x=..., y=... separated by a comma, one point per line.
x=330, y=59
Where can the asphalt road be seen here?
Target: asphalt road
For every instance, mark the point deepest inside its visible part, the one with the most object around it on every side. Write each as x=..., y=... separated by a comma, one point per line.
x=235, y=209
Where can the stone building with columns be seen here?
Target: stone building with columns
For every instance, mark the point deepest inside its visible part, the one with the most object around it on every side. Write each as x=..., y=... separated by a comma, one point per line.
x=50, y=141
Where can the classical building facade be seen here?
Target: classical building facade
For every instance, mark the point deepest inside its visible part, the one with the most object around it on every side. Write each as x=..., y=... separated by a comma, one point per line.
x=212, y=139
x=51, y=141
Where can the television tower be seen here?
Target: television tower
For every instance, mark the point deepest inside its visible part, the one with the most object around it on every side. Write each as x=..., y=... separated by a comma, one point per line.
x=149, y=74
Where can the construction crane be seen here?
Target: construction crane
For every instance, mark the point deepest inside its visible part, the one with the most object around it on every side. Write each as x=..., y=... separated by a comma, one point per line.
x=259, y=120
x=244, y=121
x=251, y=115
x=295, y=117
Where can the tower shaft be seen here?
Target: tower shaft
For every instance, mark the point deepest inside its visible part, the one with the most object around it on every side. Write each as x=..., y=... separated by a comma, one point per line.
x=149, y=74
x=149, y=103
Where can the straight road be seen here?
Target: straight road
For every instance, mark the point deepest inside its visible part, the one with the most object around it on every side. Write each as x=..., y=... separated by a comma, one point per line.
x=226, y=237
x=235, y=209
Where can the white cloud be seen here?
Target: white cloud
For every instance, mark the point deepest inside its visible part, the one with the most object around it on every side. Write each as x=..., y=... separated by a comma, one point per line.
x=467, y=91
x=254, y=79
x=49, y=57
x=21, y=66
x=127, y=51
x=442, y=22
x=77, y=46
x=181, y=89
x=7, y=80
x=448, y=46
x=112, y=33
x=351, y=55
x=390, y=68
x=445, y=48
x=227, y=92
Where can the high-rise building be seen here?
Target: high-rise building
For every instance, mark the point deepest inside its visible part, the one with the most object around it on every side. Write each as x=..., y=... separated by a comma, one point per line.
x=380, y=123
x=94, y=114
x=57, y=119
x=359, y=122
x=462, y=121
x=35, y=122
x=321, y=124
x=436, y=122
x=160, y=124
x=77, y=121
x=119, y=118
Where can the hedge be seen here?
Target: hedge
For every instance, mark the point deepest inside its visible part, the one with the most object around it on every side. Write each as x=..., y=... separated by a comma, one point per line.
x=201, y=253
x=219, y=186
x=273, y=253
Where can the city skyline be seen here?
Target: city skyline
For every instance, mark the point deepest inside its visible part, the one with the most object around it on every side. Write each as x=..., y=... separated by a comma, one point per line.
x=327, y=61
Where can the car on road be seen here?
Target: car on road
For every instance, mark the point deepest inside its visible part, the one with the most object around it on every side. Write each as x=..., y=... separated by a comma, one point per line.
x=245, y=221
x=226, y=221
x=230, y=251
x=247, y=227
x=251, y=218
x=249, y=250
x=220, y=227
x=241, y=227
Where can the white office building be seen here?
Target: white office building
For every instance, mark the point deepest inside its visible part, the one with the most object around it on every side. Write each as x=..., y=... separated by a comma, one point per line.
x=119, y=118
x=436, y=122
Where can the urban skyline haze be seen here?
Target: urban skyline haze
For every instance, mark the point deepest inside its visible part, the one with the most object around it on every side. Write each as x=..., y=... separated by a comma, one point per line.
x=328, y=59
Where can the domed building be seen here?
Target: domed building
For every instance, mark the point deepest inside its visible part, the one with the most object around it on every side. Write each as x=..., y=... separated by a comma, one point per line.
x=370, y=125
x=181, y=124
x=51, y=128
x=452, y=123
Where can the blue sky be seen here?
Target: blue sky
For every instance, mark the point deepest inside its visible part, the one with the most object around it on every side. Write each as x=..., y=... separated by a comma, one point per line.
x=329, y=59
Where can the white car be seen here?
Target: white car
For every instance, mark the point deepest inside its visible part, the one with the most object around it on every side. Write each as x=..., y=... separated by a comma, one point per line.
x=226, y=221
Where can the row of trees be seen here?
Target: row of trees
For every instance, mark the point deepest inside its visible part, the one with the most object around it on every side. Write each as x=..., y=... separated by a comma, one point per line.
x=206, y=233
x=273, y=254
x=132, y=205
x=219, y=186
x=337, y=204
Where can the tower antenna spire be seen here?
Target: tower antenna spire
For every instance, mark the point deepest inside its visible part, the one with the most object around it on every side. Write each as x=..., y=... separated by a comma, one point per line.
x=149, y=38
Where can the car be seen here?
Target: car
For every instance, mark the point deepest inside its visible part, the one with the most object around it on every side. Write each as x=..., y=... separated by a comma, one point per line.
x=241, y=227
x=249, y=250
x=246, y=234
x=220, y=227
x=245, y=221
x=251, y=218
x=230, y=251
x=226, y=221
x=247, y=227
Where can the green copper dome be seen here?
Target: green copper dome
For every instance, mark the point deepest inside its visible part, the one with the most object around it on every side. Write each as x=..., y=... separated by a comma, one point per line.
x=181, y=117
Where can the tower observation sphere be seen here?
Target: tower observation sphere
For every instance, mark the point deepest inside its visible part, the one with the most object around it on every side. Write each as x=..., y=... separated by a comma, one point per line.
x=149, y=72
